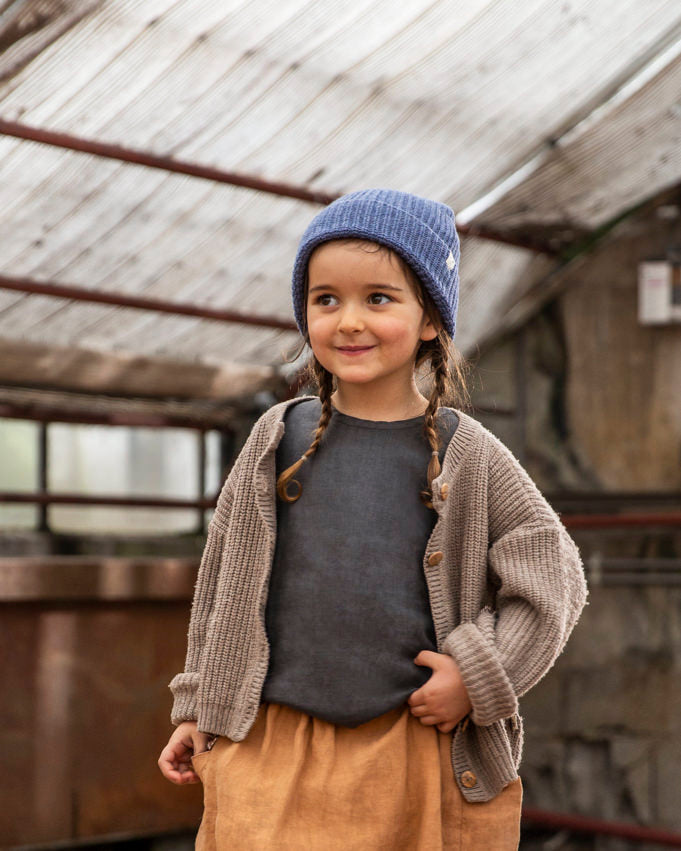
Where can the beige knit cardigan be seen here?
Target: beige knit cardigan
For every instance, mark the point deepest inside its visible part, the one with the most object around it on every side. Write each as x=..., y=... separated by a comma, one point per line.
x=506, y=587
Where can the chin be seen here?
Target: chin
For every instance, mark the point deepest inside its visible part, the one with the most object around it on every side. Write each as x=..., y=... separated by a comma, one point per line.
x=353, y=380
x=349, y=376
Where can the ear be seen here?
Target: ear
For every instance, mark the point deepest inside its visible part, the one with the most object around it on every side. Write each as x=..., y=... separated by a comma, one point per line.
x=428, y=329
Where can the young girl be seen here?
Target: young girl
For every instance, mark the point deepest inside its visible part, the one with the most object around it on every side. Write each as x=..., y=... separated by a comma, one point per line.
x=382, y=580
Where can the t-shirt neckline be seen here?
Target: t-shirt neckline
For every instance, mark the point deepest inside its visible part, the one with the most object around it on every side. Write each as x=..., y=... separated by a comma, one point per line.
x=359, y=422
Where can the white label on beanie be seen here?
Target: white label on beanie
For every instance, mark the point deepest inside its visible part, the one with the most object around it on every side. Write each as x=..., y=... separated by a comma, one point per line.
x=451, y=262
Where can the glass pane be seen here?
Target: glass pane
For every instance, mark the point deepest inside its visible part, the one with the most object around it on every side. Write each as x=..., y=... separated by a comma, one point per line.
x=122, y=461
x=18, y=471
x=213, y=480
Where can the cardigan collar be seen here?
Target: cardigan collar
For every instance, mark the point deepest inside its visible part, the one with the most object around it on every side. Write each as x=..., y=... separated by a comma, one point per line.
x=466, y=435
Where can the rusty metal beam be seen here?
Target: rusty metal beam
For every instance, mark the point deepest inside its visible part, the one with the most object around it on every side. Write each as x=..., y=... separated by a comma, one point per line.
x=117, y=152
x=575, y=521
x=28, y=285
x=130, y=155
x=620, y=521
x=584, y=501
x=44, y=498
x=601, y=827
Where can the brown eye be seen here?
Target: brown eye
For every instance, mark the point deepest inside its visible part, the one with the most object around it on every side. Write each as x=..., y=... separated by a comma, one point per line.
x=319, y=297
x=380, y=295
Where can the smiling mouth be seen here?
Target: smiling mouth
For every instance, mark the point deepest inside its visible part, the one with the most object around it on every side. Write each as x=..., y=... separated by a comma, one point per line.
x=354, y=350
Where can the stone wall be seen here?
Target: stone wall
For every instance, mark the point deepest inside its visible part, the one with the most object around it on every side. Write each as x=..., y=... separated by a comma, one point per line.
x=595, y=404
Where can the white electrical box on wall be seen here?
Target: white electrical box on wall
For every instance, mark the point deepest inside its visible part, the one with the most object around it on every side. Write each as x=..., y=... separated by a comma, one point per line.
x=659, y=292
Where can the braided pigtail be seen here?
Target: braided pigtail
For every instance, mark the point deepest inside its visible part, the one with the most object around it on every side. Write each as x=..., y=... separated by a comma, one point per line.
x=449, y=386
x=441, y=378
x=324, y=380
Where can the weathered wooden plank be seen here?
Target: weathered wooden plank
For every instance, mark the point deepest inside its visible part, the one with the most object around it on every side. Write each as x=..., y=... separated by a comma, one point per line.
x=125, y=374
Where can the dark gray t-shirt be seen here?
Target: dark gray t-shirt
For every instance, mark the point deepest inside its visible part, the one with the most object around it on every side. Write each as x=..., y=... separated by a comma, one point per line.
x=347, y=608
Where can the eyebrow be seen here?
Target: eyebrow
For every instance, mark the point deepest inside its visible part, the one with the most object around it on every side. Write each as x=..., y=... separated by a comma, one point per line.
x=372, y=285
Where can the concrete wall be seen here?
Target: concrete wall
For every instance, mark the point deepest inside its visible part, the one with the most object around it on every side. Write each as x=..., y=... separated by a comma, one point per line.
x=597, y=406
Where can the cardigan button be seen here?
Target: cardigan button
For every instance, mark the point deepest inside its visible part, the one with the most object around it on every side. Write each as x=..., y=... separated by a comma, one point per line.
x=444, y=490
x=435, y=558
x=469, y=779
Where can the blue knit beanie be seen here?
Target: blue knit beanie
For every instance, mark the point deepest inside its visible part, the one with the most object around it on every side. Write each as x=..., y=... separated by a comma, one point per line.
x=421, y=231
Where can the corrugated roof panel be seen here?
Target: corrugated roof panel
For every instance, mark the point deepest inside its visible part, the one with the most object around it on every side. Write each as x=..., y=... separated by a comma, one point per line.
x=335, y=96
x=28, y=28
x=505, y=93
x=494, y=276
x=628, y=153
x=478, y=78
x=181, y=255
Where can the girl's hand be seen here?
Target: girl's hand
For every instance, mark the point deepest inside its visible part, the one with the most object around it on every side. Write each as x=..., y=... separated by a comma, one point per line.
x=443, y=700
x=175, y=760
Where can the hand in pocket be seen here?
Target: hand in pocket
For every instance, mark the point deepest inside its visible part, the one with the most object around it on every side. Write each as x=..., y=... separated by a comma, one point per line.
x=175, y=761
x=443, y=700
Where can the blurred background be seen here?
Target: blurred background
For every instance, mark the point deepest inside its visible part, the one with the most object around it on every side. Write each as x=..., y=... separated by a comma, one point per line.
x=159, y=162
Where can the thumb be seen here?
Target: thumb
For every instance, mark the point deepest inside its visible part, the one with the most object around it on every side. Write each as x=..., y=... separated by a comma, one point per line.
x=427, y=657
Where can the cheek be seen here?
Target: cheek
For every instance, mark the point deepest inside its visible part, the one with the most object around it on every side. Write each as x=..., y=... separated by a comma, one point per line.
x=395, y=332
x=319, y=328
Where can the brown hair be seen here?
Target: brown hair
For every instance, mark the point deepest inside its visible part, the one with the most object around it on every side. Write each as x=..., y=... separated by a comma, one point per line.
x=446, y=389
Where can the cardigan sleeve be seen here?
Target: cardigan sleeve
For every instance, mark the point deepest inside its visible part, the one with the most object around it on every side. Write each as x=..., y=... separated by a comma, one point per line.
x=184, y=686
x=541, y=591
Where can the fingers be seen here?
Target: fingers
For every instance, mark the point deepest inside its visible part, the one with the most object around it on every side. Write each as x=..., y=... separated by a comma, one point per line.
x=424, y=714
x=427, y=716
x=174, y=764
x=427, y=658
x=415, y=698
x=182, y=778
x=179, y=773
x=430, y=720
x=443, y=726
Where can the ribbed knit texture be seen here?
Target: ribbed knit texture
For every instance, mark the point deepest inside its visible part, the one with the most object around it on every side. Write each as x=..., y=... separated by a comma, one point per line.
x=420, y=230
x=504, y=598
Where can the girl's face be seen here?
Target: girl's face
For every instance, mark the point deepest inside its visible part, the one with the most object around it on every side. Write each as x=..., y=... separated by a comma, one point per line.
x=362, y=299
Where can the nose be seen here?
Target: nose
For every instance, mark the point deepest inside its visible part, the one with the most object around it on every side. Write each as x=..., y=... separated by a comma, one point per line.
x=350, y=319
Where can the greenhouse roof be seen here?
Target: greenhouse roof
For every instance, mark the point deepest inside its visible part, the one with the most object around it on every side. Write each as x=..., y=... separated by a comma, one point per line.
x=537, y=121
